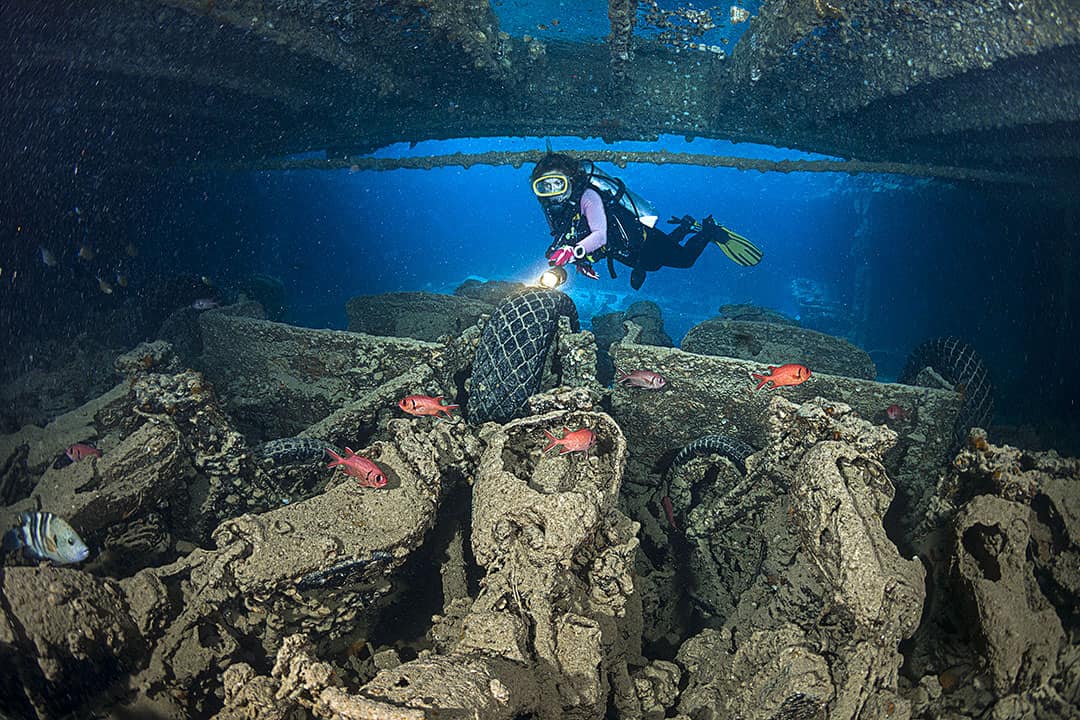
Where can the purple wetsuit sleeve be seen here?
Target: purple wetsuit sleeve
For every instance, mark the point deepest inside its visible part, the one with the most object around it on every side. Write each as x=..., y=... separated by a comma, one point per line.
x=592, y=207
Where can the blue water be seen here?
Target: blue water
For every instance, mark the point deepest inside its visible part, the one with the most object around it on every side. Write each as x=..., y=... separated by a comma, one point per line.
x=330, y=235
x=899, y=260
x=569, y=21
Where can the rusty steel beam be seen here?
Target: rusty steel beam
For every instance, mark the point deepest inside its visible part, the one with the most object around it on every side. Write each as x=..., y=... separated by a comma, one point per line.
x=622, y=159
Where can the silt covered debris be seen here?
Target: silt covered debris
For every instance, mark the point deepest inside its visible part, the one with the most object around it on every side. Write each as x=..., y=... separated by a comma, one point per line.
x=839, y=562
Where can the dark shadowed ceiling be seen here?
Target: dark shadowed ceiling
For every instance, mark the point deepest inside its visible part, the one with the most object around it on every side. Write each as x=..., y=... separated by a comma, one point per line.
x=972, y=85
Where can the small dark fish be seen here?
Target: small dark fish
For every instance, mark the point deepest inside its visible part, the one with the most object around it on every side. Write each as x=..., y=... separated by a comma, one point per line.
x=896, y=412
x=44, y=536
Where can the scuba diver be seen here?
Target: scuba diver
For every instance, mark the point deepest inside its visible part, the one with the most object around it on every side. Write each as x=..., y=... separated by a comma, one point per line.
x=593, y=216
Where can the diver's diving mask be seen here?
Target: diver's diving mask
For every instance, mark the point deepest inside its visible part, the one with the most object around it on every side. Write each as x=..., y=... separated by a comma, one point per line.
x=550, y=185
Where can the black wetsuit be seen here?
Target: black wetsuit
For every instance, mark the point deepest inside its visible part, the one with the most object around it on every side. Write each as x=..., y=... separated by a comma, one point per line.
x=662, y=249
x=642, y=248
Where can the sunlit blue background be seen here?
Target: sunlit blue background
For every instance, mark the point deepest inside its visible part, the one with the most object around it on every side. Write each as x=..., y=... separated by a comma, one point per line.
x=926, y=248
x=936, y=259
x=899, y=260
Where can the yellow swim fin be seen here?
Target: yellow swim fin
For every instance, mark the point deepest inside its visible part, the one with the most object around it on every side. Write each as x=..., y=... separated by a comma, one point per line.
x=739, y=249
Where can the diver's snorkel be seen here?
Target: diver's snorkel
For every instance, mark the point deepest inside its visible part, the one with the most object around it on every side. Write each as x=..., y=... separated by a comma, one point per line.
x=553, y=277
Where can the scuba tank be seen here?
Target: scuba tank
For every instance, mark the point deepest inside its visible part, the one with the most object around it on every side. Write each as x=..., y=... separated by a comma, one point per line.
x=642, y=209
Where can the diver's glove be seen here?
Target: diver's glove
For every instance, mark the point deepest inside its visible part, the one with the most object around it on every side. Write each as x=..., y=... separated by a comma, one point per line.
x=586, y=269
x=561, y=256
x=686, y=221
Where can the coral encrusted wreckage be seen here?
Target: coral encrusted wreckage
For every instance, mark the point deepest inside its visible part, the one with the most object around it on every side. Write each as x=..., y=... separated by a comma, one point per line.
x=716, y=552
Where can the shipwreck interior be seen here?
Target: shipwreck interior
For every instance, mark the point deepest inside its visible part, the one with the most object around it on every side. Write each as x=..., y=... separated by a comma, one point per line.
x=986, y=88
x=105, y=100
x=848, y=548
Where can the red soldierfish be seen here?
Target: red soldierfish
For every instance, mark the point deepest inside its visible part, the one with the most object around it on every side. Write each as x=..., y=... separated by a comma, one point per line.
x=790, y=374
x=641, y=378
x=368, y=473
x=669, y=511
x=577, y=441
x=420, y=405
x=81, y=451
x=895, y=412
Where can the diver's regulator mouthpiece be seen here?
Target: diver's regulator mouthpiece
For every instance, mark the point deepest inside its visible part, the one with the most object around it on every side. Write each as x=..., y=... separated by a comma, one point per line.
x=553, y=277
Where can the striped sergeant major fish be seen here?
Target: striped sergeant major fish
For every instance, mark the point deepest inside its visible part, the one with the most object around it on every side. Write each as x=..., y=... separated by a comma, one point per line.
x=44, y=536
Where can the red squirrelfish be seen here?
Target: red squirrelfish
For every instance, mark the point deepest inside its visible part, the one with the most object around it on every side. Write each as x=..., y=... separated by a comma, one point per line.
x=790, y=374
x=81, y=451
x=577, y=441
x=368, y=473
x=420, y=405
x=641, y=378
x=895, y=412
x=669, y=511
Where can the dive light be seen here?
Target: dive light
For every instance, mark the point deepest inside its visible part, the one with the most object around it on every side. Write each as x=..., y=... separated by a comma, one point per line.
x=553, y=277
